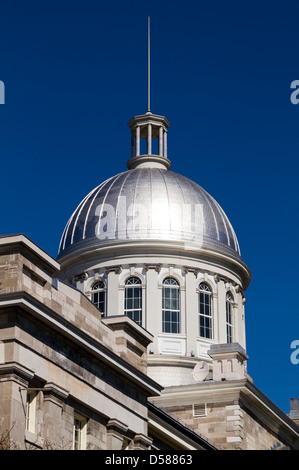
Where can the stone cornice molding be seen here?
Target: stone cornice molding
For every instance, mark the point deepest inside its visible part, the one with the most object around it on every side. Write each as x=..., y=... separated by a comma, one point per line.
x=45, y=314
x=243, y=390
x=116, y=269
x=156, y=267
x=218, y=278
x=188, y=269
x=230, y=262
x=55, y=391
x=143, y=441
x=19, y=243
x=114, y=425
x=81, y=277
x=17, y=372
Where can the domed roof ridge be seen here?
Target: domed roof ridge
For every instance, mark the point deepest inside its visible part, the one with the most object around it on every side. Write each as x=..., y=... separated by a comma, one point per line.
x=149, y=204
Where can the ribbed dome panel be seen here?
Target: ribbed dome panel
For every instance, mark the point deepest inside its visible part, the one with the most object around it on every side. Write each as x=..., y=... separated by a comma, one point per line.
x=149, y=204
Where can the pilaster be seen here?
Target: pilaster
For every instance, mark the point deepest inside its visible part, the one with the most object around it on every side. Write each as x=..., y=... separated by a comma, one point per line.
x=14, y=380
x=191, y=312
x=116, y=431
x=113, y=305
x=229, y=361
x=221, y=311
x=152, y=304
x=54, y=398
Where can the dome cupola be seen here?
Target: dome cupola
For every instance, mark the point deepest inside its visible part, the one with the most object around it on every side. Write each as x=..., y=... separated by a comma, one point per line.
x=151, y=130
x=149, y=205
x=152, y=244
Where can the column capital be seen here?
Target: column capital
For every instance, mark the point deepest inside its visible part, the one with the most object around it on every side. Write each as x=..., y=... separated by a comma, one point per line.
x=187, y=269
x=156, y=267
x=142, y=442
x=53, y=389
x=115, y=269
x=218, y=278
x=16, y=372
x=115, y=425
x=81, y=277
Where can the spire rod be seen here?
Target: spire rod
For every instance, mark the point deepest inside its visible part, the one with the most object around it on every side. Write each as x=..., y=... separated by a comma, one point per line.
x=148, y=64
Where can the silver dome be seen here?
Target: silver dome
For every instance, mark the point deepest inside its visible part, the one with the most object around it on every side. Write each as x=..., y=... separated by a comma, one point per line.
x=149, y=204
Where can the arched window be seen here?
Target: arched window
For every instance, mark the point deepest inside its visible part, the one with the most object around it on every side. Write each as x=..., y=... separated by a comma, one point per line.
x=133, y=299
x=205, y=311
x=170, y=306
x=98, y=296
x=229, y=317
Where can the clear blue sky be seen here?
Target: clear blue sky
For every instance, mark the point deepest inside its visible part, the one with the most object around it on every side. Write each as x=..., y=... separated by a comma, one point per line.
x=75, y=72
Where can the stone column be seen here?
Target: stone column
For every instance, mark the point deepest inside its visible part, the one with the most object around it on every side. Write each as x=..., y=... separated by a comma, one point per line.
x=133, y=143
x=152, y=305
x=116, y=431
x=149, y=139
x=141, y=442
x=113, y=307
x=137, y=141
x=165, y=144
x=13, y=394
x=191, y=312
x=221, y=311
x=240, y=317
x=53, y=402
x=161, y=141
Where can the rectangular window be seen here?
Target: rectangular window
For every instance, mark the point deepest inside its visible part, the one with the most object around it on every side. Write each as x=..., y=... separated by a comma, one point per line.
x=229, y=322
x=171, y=310
x=99, y=300
x=30, y=411
x=133, y=303
x=170, y=306
x=205, y=312
x=79, y=433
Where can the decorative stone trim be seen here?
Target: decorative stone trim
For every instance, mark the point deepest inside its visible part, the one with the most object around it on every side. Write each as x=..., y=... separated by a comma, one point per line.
x=187, y=269
x=114, y=425
x=229, y=360
x=156, y=267
x=81, y=277
x=53, y=393
x=16, y=372
x=218, y=278
x=142, y=442
x=132, y=269
x=52, y=389
x=116, y=431
x=116, y=269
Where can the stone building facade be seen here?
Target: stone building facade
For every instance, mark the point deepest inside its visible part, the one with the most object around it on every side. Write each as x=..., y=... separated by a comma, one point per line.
x=68, y=378
x=134, y=337
x=229, y=410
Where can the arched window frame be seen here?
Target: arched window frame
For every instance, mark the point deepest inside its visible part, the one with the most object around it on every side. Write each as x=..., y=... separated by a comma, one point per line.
x=98, y=296
x=205, y=311
x=229, y=309
x=133, y=299
x=171, y=306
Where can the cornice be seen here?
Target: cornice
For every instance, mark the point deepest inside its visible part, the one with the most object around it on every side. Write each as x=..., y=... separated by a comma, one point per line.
x=221, y=391
x=28, y=303
x=145, y=248
x=19, y=243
